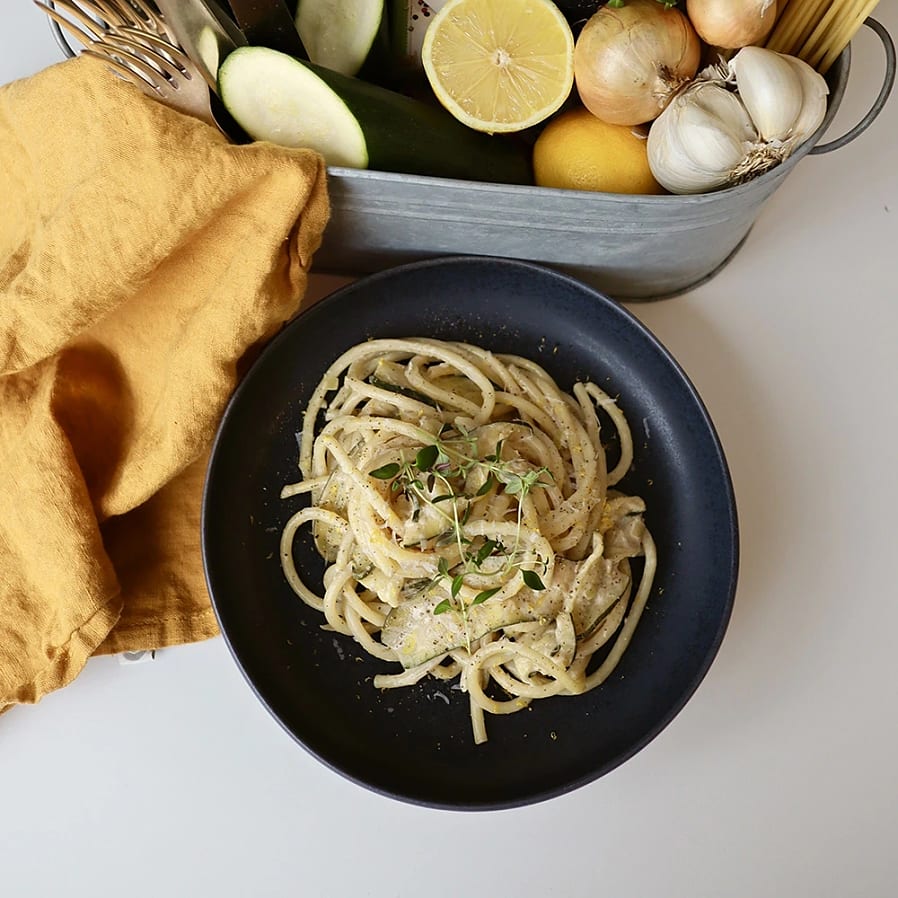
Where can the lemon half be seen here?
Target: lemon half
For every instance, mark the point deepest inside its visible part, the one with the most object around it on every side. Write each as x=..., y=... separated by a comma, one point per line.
x=499, y=65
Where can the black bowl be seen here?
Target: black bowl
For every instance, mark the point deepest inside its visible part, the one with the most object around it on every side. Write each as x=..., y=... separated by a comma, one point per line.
x=415, y=743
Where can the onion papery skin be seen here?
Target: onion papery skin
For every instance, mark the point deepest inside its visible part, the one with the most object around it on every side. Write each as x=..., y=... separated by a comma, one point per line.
x=629, y=62
x=732, y=24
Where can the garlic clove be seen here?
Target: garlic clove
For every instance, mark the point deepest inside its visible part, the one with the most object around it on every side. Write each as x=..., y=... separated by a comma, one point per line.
x=726, y=106
x=771, y=90
x=671, y=166
x=814, y=91
x=706, y=143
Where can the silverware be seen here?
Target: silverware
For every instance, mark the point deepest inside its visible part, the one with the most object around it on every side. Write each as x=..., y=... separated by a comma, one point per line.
x=203, y=31
x=268, y=23
x=136, y=45
x=130, y=13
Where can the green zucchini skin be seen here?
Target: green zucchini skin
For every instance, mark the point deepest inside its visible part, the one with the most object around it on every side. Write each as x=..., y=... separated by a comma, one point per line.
x=413, y=137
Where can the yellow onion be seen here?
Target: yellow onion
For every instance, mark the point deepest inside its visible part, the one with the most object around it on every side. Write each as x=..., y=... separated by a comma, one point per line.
x=732, y=24
x=629, y=62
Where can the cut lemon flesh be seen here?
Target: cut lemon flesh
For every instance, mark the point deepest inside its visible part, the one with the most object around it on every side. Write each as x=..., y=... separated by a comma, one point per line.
x=499, y=65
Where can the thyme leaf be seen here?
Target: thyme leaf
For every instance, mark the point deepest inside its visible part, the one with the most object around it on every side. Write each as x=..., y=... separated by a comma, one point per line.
x=386, y=472
x=481, y=597
x=426, y=457
x=488, y=484
x=531, y=579
x=485, y=551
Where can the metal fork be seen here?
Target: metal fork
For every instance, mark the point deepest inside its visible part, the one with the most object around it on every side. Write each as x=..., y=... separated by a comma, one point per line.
x=133, y=41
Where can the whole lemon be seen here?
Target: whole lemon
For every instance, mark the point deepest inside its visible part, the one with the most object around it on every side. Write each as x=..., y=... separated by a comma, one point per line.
x=578, y=151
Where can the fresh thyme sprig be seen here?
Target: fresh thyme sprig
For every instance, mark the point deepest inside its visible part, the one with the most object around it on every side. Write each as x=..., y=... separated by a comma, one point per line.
x=443, y=462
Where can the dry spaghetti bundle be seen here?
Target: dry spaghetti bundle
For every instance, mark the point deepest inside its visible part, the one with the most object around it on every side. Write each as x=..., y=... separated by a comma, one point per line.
x=817, y=31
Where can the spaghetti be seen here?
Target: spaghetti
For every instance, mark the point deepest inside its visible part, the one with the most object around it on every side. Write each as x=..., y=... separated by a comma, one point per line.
x=468, y=519
x=817, y=31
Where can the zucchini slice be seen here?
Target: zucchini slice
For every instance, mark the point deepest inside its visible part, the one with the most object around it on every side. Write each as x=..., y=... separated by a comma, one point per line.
x=275, y=97
x=341, y=34
x=209, y=50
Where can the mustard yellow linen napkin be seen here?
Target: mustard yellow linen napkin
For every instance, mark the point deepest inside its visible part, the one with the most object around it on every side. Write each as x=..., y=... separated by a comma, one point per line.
x=143, y=261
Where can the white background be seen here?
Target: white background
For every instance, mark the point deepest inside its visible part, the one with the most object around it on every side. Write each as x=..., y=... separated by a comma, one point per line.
x=780, y=777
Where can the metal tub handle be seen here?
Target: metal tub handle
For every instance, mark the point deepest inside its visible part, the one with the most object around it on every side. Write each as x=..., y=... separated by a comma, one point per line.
x=889, y=81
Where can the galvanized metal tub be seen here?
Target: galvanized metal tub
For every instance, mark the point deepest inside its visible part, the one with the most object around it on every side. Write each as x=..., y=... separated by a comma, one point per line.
x=631, y=247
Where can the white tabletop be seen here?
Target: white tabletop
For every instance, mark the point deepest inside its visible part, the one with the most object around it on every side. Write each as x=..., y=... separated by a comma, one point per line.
x=780, y=777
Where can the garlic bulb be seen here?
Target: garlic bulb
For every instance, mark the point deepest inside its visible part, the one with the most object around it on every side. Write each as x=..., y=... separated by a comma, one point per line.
x=702, y=137
x=731, y=24
x=735, y=121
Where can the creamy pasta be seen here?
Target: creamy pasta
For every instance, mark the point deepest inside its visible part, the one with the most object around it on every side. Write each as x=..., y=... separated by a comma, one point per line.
x=469, y=521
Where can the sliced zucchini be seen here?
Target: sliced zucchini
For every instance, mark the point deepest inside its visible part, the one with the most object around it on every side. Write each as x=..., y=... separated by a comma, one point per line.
x=295, y=103
x=342, y=34
x=208, y=50
x=275, y=97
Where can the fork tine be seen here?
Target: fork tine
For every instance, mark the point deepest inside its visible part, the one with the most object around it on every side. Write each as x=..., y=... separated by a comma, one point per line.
x=111, y=13
x=160, y=44
x=139, y=52
x=116, y=13
x=150, y=69
x=129, y=75
x=122, y=13
x=150, y=16
x=79, y=34
x=84, y=9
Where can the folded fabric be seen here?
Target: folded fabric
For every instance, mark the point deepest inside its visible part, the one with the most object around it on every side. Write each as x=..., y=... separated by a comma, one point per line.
x=144, y=260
